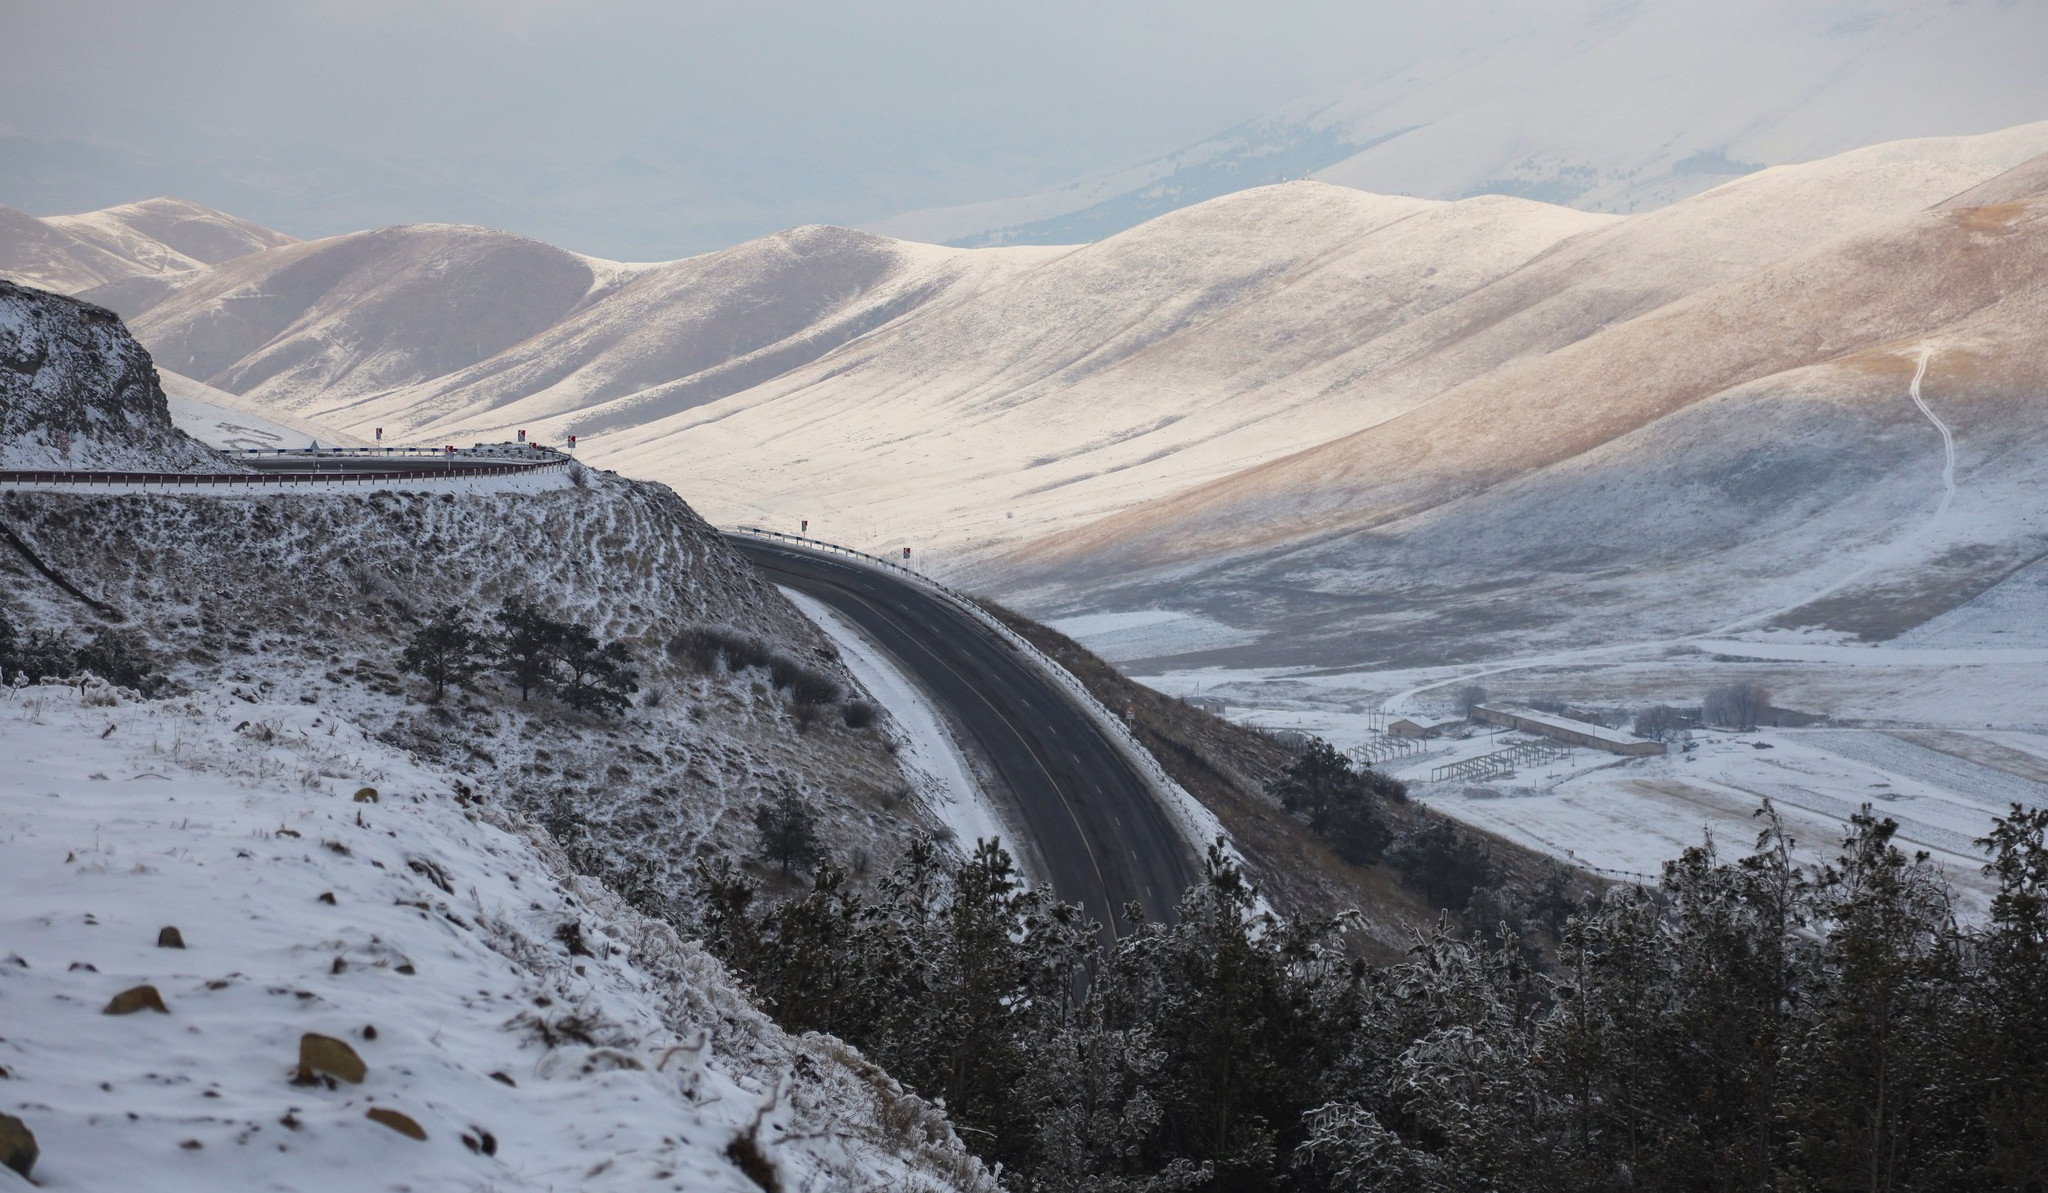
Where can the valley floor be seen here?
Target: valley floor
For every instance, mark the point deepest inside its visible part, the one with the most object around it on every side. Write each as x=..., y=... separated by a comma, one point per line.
x=1940, y=730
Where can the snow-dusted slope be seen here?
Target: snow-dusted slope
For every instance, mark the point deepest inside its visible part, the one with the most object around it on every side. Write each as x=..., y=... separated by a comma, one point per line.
x=1757, y=450
x=220, y=419
x=133, y=248
x=1232, y=333
x=427, y=929
x=670, y=337
x=77, y=391
x=1139, y=364
x=1607, y=107
x=352, y=314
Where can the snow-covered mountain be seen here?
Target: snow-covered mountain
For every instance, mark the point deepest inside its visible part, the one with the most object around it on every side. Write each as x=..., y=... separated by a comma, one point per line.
x=988, y=405
x=139, y=244
x=1603, y=106
x=1848, y=437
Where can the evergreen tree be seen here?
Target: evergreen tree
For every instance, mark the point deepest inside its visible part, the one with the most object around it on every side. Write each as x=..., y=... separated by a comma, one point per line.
x=595, y=677
x=2013, y=1004
x=528, y=646
x=446, y=651
x=1888, y=970
x=789, y=832
x=1445, y=864
x=1340, y=801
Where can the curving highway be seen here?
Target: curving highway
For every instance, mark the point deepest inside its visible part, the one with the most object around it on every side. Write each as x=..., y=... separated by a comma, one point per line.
x=1093, y=818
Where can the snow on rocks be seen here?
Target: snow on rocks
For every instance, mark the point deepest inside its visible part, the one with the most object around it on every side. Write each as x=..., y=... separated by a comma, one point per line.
x=478, y=1017
x=77, y=391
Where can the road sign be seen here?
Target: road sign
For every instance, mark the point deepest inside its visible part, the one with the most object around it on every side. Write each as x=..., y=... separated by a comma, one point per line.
x=906, y=553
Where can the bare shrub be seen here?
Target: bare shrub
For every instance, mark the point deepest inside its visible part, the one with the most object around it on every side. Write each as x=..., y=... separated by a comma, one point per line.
x=1737, y=705
x=1658, y=721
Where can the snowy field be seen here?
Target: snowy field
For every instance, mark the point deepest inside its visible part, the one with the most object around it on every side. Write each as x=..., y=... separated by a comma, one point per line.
x=1150, y=633
x=1938, y=738
x=539, y=1035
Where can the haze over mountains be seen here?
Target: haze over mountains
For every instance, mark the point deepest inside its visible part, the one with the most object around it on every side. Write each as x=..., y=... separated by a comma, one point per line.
x=1350, y=425
x=1605, y=107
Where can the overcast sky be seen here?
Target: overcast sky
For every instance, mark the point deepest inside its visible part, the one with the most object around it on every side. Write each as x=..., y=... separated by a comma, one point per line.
x=647, y=129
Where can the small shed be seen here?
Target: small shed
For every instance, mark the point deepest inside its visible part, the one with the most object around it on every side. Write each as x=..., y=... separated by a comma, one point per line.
x=1208, y=704
x=1415, y=727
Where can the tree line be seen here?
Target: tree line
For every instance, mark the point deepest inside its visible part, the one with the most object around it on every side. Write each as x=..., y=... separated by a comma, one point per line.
x=1749, y=1024
x=539, y=654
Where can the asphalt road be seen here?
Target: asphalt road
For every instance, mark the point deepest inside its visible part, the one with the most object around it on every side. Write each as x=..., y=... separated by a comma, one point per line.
x=1093, y=818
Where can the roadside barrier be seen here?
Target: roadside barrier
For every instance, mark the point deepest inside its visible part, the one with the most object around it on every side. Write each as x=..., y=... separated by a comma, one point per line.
x=253, y=479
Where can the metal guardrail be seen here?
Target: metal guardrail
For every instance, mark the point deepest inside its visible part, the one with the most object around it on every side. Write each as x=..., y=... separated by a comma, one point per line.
x=253, y=479
x=1170, y=793
x=494, y=450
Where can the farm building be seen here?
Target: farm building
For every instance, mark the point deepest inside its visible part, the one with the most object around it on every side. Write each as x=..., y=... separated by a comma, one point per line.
x=1564, y=729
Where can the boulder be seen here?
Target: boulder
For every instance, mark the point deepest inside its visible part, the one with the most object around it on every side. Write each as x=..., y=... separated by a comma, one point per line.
x=325, y=1054
x=401, y=1123
x=138, y=998
x=17, y=1145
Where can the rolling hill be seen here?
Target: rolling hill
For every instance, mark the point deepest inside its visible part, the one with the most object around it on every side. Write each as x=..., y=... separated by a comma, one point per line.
x=1280, y=407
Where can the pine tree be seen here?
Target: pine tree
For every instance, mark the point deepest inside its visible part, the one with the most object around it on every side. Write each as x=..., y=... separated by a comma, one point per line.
x=595, y=677
x=789, y=832
x=1340, y=801
x=1888, y=971
x=2012, y=1055
x=446, y=651
x=528, y=646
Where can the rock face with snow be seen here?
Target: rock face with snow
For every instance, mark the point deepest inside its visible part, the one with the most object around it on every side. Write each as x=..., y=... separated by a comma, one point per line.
x=314, y=598
x=77, y=391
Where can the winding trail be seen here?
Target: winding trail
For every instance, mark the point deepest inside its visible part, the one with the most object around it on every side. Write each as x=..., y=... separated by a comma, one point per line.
x=1887, y=554
x=1948, y=441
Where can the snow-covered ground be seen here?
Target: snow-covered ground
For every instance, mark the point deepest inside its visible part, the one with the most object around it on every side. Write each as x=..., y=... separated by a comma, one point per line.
x=541, y=1035
x=1150, y=633
x=926, y=750
x=229, y=421
x=1939, y=739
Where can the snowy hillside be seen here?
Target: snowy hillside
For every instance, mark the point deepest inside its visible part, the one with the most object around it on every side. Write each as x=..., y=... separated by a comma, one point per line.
x=358, y=313
x=232, y=422
x=1605, y=107
x=142, y=243
x=986, y=405
x=1846, y=438
x=77, y=391
x=530, y=1030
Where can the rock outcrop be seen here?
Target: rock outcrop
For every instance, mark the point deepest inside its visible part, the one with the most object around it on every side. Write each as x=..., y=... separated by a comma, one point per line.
x=77, y=391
